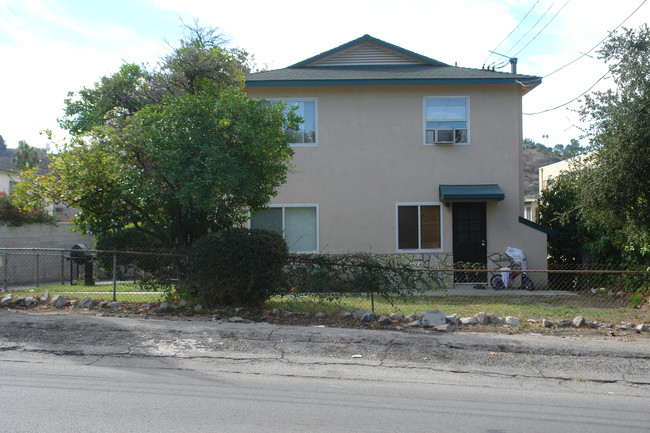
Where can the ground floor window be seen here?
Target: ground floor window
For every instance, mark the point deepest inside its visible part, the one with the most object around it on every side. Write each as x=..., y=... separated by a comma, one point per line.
x=419, y=226
x=297, y=223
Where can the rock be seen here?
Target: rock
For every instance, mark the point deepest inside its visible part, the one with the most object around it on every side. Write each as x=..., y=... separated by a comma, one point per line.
x=320, y=316
x=410, y=318
x=482, y=318
x=564, y=323
x=236, y=319
x=309, y=315
x=594, y=291
x=287, y=314
x=395, y=316
x=444, y=328
x=421, y=315
x=45, y=296
x=433, y=318
x=642, y=328
x=578, y=321
x=275, y=311
x=547, y=323
x=468, y=321
x=86, y=303
x=163, y=306
x=7, y=299
x=496, y=320
x=183, y=303
x=59, y=301
x=624, y=327
x=145, y=306
x=238, y=309
x=29, y=301
x=592, y=325
x=358, y=313
x=384, y=320
x=413, y=324
x=368, y=317
x=103, y=304
x=345, y=315
x=198, y=307
x=512, y=321
x=453, y=320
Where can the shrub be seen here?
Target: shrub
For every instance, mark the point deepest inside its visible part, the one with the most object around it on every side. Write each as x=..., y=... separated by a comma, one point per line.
x=236, y=267
x=12, y=215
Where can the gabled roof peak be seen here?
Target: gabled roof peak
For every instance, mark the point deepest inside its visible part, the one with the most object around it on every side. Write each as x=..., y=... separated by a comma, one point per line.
x=367, y=51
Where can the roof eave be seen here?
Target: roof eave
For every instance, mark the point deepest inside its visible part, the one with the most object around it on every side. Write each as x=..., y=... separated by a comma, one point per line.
x=528, y=84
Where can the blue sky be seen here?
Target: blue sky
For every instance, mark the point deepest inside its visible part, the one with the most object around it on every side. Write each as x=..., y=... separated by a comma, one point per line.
x=50, y=47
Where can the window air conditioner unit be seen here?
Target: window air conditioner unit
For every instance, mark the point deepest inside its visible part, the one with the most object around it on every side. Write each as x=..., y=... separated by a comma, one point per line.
x=445, y=136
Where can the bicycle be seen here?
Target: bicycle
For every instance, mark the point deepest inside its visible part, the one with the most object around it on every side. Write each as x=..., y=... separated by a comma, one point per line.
x=509, y=274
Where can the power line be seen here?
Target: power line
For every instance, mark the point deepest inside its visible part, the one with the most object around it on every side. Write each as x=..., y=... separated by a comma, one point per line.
x=567, y=103
x=601, y=41
x=511, y=32
x=531, y=29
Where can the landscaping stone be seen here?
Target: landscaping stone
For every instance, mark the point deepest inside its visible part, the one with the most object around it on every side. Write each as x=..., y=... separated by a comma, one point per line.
x=287, y=314
x=368, y=317
x=642, y=328
x=29, y=301
x=345, y=315
x=578, y=321
x=103, y=304
x=145, y=306
x=309, y=315
x=275, y=311
x=592, y=325
x=468, y=321
x=320, y=315
x=236, y=319
x=453, y=320
x=45, y=296
x=7, y=299
x=86, y=302
x=114, y=304
x=410, y=318
x=444, y=328
x=624, y=327
x=433, y=318
x=496, y=320
x=564, y=323
x=198, y=307
x=384, y=320
x=547, y=323
x=358, y=313
x=482, y=318
x=183, y=303
x=59, y=301
x=163, y=306
x=512, y=321
x=238, y=309
x=413, y=324
x=395, y=316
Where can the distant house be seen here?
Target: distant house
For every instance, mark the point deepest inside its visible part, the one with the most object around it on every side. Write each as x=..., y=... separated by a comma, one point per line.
x=549, y=172
x=8, y=179
x=401, y=153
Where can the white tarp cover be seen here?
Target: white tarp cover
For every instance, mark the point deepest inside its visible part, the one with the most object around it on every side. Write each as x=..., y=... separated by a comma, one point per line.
x=518, y=257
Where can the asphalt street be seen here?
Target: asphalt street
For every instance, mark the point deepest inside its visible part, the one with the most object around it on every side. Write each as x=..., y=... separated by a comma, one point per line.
x=73, y=373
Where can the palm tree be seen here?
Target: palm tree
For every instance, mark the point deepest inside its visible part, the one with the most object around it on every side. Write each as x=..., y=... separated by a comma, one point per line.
x=25, y=156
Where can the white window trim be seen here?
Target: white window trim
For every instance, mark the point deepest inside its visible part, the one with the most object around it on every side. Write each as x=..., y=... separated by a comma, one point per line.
x=424, y=119
x=442, y=229
x=283, y=207
x=294, y=99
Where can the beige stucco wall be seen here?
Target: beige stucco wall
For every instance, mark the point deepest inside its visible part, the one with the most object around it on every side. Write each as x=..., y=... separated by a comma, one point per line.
x=371, y=155
x=5, y=180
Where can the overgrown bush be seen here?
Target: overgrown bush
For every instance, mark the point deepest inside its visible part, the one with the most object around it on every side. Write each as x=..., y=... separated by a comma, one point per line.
x=13, y=215
x=331, y=276
x=236, y=267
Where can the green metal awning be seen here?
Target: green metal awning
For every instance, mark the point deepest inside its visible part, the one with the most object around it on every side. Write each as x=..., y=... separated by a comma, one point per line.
x=471, y=192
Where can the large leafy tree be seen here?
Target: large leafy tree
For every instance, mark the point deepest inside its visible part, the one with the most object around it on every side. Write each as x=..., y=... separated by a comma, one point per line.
x=176, y=152
x=614, y=185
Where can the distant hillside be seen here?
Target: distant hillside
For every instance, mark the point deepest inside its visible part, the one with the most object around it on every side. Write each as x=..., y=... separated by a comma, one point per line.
x=533, y=160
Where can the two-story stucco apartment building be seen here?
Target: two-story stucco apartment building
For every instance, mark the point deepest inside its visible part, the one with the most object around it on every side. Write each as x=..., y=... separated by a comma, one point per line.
x=401, y=153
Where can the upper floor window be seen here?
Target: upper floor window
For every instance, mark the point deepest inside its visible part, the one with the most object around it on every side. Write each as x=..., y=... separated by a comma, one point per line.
x=446, y=120
x=306, y=134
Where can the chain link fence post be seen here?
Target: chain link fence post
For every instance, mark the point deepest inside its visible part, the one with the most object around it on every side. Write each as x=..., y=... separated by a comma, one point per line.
x=5, y=265
x=114, y=276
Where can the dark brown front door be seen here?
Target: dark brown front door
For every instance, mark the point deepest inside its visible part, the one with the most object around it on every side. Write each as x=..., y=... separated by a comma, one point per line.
x=470, y=246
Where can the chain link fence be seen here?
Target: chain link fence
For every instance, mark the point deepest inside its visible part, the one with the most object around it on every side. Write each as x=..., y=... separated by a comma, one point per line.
x=614, y=295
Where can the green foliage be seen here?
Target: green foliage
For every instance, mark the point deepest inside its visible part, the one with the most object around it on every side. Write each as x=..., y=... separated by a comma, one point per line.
x=25, y=156
x=177, y=152
x=332, y=276
x=236, y=267
x=129, y=239
x=615, y=186
x=13, y=215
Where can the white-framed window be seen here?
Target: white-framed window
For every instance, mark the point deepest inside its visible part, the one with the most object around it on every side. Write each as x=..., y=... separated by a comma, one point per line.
x=446, y=120
x=298, y=223
x=419, y=226
x=306, y=108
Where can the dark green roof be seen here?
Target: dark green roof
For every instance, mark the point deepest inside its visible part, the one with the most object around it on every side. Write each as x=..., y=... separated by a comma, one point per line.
x=471, y=192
